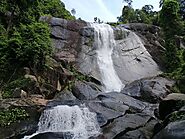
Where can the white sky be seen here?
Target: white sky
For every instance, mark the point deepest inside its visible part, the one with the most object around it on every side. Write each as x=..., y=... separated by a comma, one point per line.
x=106, y=10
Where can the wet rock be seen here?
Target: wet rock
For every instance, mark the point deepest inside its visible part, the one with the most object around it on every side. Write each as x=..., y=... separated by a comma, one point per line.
x=65, y=95
x=122, y=125
x=73, y=25
x=84, y=91
x=52, y=135
x=48, y=90
x=151, y=90
x=32, y=101
x=120, y=34
x=57, y=102
x=107, y=110
x=174, y=130
x=134, y=104
x=18, y=130
x=171, y=103
x=60, y=135
x=87, y=32
x=145, y=132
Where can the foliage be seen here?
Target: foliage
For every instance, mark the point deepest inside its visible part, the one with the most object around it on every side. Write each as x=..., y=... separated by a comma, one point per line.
x=169, y=18
x=11, y=116
x=27, y=11
x=18, y=83
x=24, y=41
x=181, y=4
x=77, y=77
x=28, y=45
x=128, y=14
x=177, y=116
x=172, y=24
x=54, y=8
x=145, y=15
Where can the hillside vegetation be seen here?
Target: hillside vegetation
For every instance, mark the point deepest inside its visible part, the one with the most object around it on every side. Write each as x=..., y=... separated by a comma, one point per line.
x=24, y=41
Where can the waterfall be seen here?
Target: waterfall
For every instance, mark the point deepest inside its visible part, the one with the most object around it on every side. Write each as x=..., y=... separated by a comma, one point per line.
x=79, y=122
x=104, y=43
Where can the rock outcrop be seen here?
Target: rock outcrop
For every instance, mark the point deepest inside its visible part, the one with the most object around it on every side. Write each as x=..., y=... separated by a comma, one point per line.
x=152, y=40
x=172, y=112
x=73, y=42
x=152, y=89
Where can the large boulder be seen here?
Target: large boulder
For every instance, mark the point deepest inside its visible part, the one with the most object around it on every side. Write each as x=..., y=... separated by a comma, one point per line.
x=65, y=95
x=121, y=116
x=174, y=130
x=134, y=105
x=173, y=102
x=124, y=127
x=152, y=89
x=85, y=90
x=66, y=37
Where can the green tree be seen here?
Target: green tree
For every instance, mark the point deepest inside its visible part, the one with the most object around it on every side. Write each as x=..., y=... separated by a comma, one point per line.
x=145, y=15
x=128, y=15
x=24, y=41
x=172, y=26
x=169, y=18
x=147, y=9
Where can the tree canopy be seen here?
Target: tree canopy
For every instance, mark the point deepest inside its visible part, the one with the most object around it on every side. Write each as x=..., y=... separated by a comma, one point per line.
x=24, y=41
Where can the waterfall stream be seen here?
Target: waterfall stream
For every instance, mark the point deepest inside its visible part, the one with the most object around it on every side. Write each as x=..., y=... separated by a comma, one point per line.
x=79, y=122
x=104, y=43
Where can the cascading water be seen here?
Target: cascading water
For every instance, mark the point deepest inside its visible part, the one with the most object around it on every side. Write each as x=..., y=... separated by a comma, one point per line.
x=79, y=122
x=104, y=43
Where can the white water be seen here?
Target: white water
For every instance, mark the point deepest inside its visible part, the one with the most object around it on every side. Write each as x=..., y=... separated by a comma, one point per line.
x=78, y=121
x=104, y=43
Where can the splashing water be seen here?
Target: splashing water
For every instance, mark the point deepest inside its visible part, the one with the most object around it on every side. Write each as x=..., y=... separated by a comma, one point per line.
x=79, y=122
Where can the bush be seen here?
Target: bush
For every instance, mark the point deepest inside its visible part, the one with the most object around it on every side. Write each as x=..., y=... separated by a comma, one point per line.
x=18, y=83
x=24, y=41
x=11, y=116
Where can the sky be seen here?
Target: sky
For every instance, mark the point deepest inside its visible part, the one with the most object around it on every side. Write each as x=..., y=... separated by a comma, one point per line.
x=106, y=10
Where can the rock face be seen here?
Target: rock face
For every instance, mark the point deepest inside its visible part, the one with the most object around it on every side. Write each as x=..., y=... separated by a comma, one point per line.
x=151, y=90
x=173, y=102
x=65, y=36
x=131, y=59
x=151, y=39
x=73, y=42
x=172, y=112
